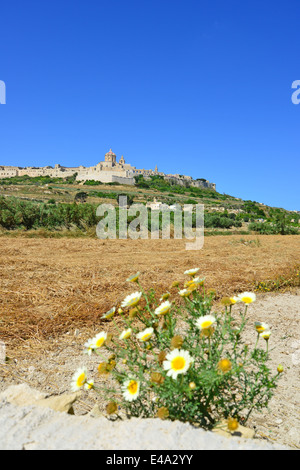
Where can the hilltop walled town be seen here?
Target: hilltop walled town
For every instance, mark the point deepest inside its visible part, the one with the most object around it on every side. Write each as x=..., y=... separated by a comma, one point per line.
x=107, y=171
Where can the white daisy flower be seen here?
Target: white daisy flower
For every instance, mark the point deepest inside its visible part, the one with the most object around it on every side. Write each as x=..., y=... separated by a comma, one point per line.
x=125, y=334
x=247, y=297
x=198, y=280
x=192, y=272
x=133, y=278
x=131, y=300
x=131, y=389
x=177, y=362
x=145, y=335
x=90, y=346
x=109, y=314
x=261, y=326
x=205, y=322
x=265, y=334
x=79, y=379
x=89, y=385
x=235, y=299
x=184, y=293
x=99, y=339
x=163, y=308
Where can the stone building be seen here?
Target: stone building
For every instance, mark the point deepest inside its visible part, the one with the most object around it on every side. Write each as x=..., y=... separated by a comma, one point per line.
x=108, y=171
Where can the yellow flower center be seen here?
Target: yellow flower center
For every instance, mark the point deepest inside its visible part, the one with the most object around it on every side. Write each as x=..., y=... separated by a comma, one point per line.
x=132, y=387
x=99, y=342
x=126, y=335
x=134, y=301
x=146, y=336
x=206, y=324
x=164, y=310
x=80, y=380
x=178, y=363
x=247, y=300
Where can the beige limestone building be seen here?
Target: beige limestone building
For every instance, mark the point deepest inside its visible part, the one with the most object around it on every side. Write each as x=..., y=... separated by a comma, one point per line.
x=107, y=171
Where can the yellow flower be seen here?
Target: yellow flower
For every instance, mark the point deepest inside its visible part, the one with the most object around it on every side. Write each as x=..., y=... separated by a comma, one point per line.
x=89, y=385
x=247, y=297
x=198, y=281
x=133, y=278
x=145, y=335
x=79, y=379
x=125, y=334
x=265, y=334
x=192, y=287
x=192, y=272
x=131, y=389
x=177, y=362
x=224, y=365
x=192, y=385
x=184, y=293
x=163, y=308
x=205, y=322
x=109, y=314
x=99, y=339
x=131, y=300
x=232, y=424
x=280, y=369
x=90, y=346
x=261, y=326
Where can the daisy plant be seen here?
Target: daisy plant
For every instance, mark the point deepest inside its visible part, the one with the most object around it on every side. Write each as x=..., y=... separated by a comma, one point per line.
x=178, y=357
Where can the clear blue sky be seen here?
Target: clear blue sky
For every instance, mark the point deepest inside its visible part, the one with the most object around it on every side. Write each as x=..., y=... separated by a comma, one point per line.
x=196, y=87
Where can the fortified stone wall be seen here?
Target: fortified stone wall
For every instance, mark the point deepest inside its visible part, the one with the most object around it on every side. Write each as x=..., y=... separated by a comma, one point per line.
x=107, y=171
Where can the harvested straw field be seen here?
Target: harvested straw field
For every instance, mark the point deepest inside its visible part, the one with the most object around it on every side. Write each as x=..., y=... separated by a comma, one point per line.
x=51, y=286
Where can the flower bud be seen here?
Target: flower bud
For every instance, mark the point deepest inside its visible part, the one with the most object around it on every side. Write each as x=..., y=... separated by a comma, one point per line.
x=111, y=408
x=162, y=357
x=176, y=342
x=224, y=365
x=232, y=424
x=162, y=413
x=133, y=312
x=157, y=378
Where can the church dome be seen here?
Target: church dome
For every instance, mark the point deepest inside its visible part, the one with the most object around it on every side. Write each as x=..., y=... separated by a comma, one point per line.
x=110, y=157
x=110, y=153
